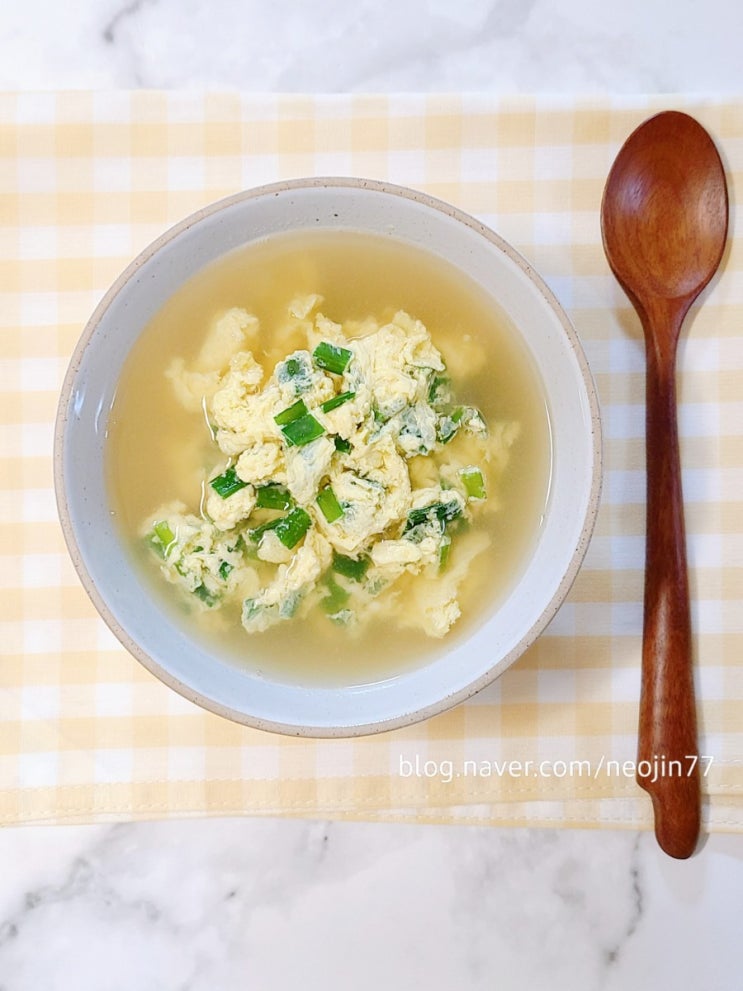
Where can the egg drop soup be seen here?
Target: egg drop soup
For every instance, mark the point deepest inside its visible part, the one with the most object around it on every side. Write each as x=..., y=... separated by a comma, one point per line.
x=329, y=454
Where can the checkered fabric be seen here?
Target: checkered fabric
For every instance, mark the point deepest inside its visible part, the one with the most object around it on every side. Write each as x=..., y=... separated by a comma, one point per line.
x=86, y=181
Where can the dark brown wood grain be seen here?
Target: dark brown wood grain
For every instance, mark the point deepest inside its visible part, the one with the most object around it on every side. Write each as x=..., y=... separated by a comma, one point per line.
x=664, y=224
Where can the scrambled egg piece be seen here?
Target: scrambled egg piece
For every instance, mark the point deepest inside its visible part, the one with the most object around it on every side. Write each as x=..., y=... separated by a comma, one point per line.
x=306, y=466
x=342, y=476
x=227, y=513
x=261, y=462
x=229, y=335
x=280, y=599
x=195, y=554
x=372, y=485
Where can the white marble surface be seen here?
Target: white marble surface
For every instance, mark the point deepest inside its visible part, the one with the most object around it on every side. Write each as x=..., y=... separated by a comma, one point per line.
x=374, y=45
x=227, y=904
x=216, y=905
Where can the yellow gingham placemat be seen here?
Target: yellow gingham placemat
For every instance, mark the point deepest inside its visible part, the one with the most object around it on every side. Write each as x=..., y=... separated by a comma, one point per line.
x=86, y=181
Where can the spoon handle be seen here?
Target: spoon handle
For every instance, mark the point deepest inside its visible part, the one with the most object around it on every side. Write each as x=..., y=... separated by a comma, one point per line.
x=668, y=765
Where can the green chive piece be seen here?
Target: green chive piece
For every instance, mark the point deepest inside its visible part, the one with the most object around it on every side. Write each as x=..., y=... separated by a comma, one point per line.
x=350, y=567
x=291, y=413
x=257, y=532
x=207, y=597
x=273, y=496
x=296, y=371
x=292, y=528
x=302, y=431
x=444, y=551
x=336, y=598
x=336, y=401
x=449, y=424
x=329, y=505
x=331, y=357
x=163, y=534
x=474, y=483
x=445, y=430
x=439, y=391
x=474, y=421
x=466, y=417
x=251, y=609
x=444, y=512
x=228, y=483
x=289, y=606
x=289, y=529
x=344, y=446
x=224, y=569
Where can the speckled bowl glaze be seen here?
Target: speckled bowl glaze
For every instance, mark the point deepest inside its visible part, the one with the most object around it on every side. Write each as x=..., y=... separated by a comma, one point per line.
x=104, y=565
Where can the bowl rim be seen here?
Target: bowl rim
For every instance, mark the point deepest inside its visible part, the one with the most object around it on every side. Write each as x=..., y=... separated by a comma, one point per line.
x=503, y=662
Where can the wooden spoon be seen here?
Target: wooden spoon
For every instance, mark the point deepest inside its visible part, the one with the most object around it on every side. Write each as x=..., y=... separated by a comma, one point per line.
x=664, y=221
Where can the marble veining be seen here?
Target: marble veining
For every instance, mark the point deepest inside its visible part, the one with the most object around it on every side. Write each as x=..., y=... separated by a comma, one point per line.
x=194, y=905
x=110, y=33
x=374, y=45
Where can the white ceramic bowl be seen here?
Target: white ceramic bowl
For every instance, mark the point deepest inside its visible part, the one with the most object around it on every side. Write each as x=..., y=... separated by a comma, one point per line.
x=87, y=395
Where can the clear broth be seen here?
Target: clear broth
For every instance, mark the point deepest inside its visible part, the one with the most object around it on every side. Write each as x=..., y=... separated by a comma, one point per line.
x=157, y=451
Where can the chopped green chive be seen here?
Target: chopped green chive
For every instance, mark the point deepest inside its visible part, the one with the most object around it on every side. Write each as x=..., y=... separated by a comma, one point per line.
x=289, y=529
x=344, y=446
x=329, y=505
x=336, y=401
x=474, y=483
x=228, y=483
x=296, y=370
x=350, y=567
x=293, y=527
x=257, y=532
x=291, y=413
x=445, y=430
x=444, y=512
x=273, y=496
x=444, y=551
x=251, y=609
x=336, y=598
x=224, y=569
x=164, y=535
x=302, y=431
x=207, y=597
x=449, y=424
x=331, y=357
x=439, y=390
x=475, y=421
x=467, y=417
x=289, y=606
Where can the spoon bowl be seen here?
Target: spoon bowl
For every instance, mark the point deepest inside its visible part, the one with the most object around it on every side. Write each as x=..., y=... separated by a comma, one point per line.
x=664, y=219
x=664, y=214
